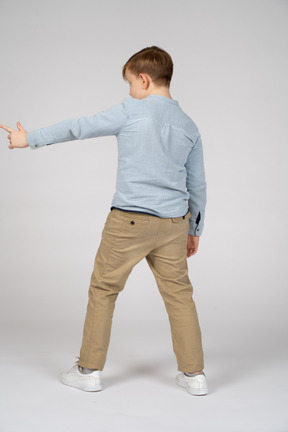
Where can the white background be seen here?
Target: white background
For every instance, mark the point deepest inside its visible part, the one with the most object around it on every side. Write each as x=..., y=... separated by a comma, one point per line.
x=62, y=59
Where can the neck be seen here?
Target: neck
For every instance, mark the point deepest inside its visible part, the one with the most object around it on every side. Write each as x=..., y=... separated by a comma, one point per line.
x=161, y=91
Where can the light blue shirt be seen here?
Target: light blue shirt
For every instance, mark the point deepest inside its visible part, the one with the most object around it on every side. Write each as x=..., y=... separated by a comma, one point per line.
x=160, y=156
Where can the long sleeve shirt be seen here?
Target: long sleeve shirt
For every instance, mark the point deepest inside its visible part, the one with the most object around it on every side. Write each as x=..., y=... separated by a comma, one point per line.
x=160, y=156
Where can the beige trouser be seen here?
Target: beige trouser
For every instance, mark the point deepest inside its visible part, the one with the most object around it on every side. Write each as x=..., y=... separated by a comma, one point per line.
x=127, y=238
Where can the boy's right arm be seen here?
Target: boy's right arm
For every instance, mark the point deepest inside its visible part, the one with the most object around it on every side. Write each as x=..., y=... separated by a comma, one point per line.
x=196, y=186
x=104, y=123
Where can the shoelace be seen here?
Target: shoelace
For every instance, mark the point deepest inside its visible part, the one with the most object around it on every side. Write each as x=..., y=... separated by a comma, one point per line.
x=76, y=359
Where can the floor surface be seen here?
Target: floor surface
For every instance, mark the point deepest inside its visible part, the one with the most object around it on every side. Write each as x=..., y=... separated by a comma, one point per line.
x=139, y=391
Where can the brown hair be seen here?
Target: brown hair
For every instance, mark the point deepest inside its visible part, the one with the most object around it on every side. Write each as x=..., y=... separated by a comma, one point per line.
x=153, y=61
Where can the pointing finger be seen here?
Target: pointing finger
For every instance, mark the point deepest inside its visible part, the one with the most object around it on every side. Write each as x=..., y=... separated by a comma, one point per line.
x=8, y=129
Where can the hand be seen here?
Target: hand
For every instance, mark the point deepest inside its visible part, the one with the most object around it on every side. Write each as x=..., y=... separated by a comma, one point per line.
x=17, y=138
x=192, y=245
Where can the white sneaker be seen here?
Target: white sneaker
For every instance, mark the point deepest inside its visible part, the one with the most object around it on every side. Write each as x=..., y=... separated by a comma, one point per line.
x=87, y=382
x=196, y=385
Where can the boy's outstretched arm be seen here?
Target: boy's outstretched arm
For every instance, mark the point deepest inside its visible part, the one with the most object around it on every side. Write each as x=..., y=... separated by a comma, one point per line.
x=16, y=137
x=104, y=123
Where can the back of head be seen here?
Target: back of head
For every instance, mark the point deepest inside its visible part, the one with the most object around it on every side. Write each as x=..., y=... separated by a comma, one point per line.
x=153, y=61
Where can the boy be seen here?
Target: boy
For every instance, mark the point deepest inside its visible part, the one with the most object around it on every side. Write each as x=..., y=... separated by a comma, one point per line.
x=157, y=213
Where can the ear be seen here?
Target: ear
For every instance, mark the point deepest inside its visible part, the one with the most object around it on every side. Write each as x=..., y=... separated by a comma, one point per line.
x=146, y=80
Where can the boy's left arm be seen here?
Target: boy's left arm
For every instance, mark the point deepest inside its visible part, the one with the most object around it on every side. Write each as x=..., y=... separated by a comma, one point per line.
x=17, y=138
x=104, y=123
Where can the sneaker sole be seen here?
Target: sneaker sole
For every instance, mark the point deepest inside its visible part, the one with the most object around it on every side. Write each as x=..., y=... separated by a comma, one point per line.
x=87, y=387
x=194, y=392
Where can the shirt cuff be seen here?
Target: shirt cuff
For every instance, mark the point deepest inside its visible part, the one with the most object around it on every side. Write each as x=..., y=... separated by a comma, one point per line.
x=32, y=141
x=196, y=226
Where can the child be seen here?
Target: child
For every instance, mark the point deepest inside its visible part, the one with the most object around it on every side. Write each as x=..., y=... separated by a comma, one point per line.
x=157, y=213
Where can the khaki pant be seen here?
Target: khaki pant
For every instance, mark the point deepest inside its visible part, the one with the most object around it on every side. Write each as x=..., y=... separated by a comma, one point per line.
x=127, y=238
